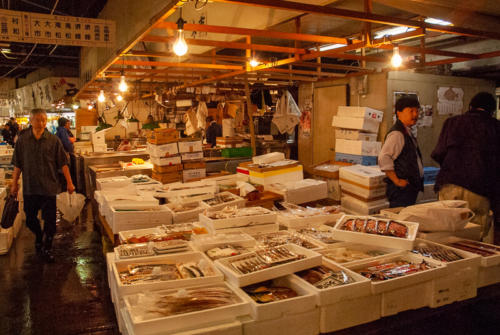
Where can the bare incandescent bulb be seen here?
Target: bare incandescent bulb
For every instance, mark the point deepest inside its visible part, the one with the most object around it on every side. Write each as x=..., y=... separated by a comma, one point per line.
x=396, y=59
x=180, y=45
x=101, y=96
x=122, y=87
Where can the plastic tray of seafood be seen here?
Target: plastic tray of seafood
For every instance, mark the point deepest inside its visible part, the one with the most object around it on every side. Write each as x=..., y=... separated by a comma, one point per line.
x=223, y=199
x=295, y=216
x=166, y=271
x=490, y=254
x=267, y=263
x=347, y=253
x=185, y=211
x=455, y=259
x=233, y=217
x=333, y=283
x=274, y=298
x=322, y=235
x=286, y=237
x=204, y=242
x=371, y=230
x=126, y=251
x=399, y=270
x=169, y=311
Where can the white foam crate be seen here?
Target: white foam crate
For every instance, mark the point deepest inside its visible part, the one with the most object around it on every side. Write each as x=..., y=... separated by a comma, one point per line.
x=192, y=156
x=360, y=112
x=165, y=259
x=236, y=201
x=373, y=239
x=313, y=221
x=126, y=234
x=321, y=229
x=178, y=189
x=350, y=134
x=358, y=247
x=488, y=276
x=299, y=192
x=359, y=288
x=406, y=298
x=291, y=324
x=350, y=313
x=110, y=259
x=457, y=286
x=186, y=248
x=112, y=182
x=304, y=301
x=251, y=230
x=190, y=146
x=367, y=125
x=192, y=320
x=162, y=150
x=355, y=147
x=238, y=222
x=362, y=191
x=367, y=176
x=166, y=161
x=311, y=259
x=439, y=270
x=485, y=261
x=205, y=242
x=129, y=220
x=129, y=201
x=317, y=246
x=187, y=216
x=355, y=206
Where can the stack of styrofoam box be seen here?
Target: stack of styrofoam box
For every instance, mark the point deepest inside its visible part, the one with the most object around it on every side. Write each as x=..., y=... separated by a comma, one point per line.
x=192, y=158
x=277, y=172
x=330, y=173
x=355, y=134
x=302, y=191
x=298, y=315
x=363, y=189
x=166, y=162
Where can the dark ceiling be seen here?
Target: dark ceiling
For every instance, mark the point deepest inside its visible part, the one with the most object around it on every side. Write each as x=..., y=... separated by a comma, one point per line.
x=44, y=55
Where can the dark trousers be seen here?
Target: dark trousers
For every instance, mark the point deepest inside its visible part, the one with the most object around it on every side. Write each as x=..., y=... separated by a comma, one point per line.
x=399, y=196
x=34, y=203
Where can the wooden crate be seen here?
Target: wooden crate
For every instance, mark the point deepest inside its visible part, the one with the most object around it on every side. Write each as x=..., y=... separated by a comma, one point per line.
x=166, y=178
x=194, y=165
x=163, y=136
x=167, y=168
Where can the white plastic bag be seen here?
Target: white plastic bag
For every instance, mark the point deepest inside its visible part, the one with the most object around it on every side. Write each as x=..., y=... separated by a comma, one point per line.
x=70, y=205
x=445, y=215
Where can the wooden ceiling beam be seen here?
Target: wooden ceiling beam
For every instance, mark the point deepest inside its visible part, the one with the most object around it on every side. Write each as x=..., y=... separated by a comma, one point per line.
x=428, y=51
x=333, y=66
x=181, y=65
x=136, y=53
x=225, y=45
x=462, y=59
x=256, y=32
x=362, y=16
x=310, y=73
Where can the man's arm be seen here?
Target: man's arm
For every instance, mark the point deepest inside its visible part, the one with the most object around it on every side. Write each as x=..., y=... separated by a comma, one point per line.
x=14, y=188
x=69, y=182
x=391, y=150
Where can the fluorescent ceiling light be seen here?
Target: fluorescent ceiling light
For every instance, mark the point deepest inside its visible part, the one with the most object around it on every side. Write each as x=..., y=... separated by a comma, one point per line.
x=392, y=31
x=432, y=20
x=326, y=47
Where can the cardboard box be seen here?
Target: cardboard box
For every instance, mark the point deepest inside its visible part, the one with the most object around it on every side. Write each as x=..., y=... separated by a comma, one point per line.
x=163, y=150
x=190, y=146
x=356, y=159
x=363, y=148
x=194, y=165
x=167, y=168
x=351, y=134
x=193, y=174
x=166, y=178
x=368, y=125
x=360, y=112
x=163, y=136
x=162, y=161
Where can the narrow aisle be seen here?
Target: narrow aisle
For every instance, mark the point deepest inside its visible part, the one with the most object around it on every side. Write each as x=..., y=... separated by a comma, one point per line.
x=70, y=296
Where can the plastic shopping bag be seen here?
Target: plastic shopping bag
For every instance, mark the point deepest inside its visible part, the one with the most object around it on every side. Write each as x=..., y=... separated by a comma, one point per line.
x=445, y=215
x=70, y=205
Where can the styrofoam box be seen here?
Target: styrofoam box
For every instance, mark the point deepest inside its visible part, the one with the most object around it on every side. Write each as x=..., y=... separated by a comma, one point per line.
x=368, y=176
x=317, y=245
x=359, y=288
x=191, y=156
x=237, y=201
x=485, y=261
x=358, y=247
x=374, y=239
x=360, y=112
x=191, y=174
x=182, y=189
x=242, y=221
x=163, y=161
x=363, y=192
x=129, y=201
x=277, y=176
x=126, y=234
x=186, y=248
x=355, y=206
x=100, y=147
x=226, y=328
x=457, y=286
x=304, y=301
x=291, y=324
x=470, y=260
x=163, y=150
x=406, y=298
x=128, y=220
x=368, y=125
x=471, y=231
x=193, y=320
x=365, y=148
x=268, y=158
x=205, y=242
x=439, y=270
x=251, y=230
x=184, y=257
x=311, y=259
x=350, y=313
x=302, y=191
x=99, y=138
x=351, y=134
x=110, y=260
x=186, y=216
x=112, y=182
x=333, y=186
x=191, y=146
x=308, y=221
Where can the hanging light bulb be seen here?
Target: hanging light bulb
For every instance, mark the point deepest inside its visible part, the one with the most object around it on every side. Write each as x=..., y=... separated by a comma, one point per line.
x=119, y=97
x=75, y=106
x=254, y=62
x=180, y=45
x=101, y=96
x=122, y=87
x=90, y=107
x=396, y=59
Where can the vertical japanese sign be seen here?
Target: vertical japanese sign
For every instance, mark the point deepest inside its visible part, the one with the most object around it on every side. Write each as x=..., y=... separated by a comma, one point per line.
x=29, y=27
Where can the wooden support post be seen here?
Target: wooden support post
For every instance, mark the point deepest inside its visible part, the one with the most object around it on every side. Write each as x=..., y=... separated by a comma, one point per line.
x=250, y=117
x=422, y=54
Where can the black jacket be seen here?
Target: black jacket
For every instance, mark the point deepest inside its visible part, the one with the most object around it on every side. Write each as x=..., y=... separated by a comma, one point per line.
x=213, y=131
x=468, y=151
x=406, y=165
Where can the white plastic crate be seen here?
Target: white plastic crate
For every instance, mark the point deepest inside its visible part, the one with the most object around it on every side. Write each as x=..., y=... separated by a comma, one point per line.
x=311, y=259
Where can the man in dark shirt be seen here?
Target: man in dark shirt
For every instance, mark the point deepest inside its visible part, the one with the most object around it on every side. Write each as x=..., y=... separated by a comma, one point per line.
x=7, y=135
x=39, y=155
x=468, y=151
x=214, y=130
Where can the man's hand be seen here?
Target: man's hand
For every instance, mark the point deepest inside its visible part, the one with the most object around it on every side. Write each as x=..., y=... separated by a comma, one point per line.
x=402, y=183
x=71, y=188
x=14, y=189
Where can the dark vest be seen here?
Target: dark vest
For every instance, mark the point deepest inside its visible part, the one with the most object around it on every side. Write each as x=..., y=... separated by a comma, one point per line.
x=406, y=165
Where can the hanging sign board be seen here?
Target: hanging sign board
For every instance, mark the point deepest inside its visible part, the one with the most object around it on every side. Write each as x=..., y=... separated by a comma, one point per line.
x=16, y=26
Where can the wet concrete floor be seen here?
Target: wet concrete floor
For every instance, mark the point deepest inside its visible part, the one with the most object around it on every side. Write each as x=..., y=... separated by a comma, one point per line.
x=70, y=296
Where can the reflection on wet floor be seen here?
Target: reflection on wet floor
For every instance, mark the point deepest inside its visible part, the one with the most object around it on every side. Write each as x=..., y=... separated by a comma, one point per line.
x=70, y=296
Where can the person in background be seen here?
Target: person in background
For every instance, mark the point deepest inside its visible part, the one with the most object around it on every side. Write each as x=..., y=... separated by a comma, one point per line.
x=65, y=135
x=7, y=134
x=468, y=151
x=38, y=155
x=400, y=157
x=14, y=128
x=214, y=130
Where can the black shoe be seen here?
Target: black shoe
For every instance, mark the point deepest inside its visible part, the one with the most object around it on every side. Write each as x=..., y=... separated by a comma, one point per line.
x=47, y=255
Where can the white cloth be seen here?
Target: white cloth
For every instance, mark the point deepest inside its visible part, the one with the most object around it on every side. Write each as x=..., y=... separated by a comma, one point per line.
x=201, y=114
x=287, y=114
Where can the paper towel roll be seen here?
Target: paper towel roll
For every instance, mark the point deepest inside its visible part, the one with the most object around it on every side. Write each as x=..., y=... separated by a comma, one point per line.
x=228, y=127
